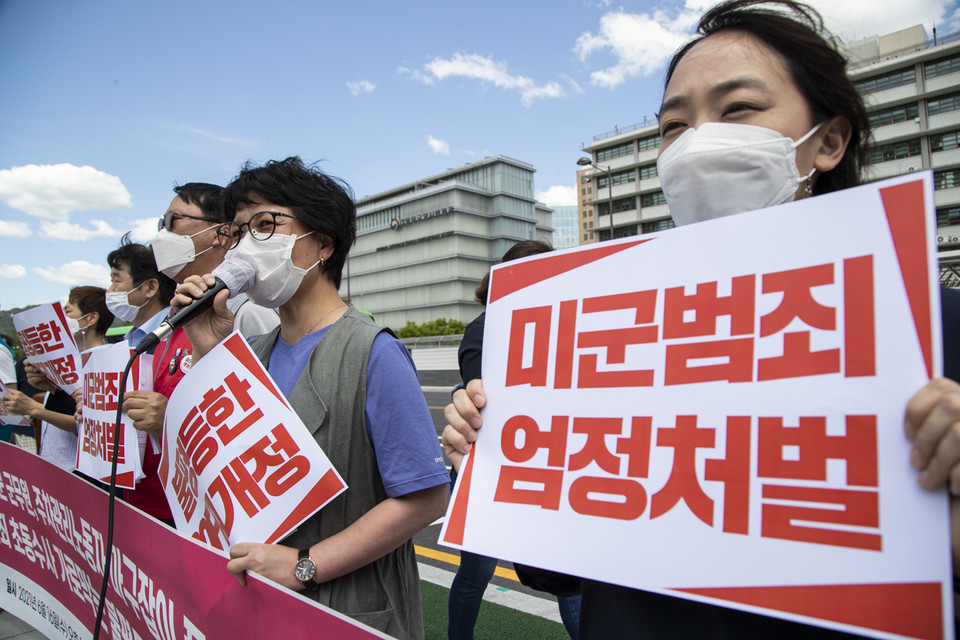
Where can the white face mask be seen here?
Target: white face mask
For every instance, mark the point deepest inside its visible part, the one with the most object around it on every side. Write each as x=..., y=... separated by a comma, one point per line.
x=73, y=325
x=118, y=302
x=722, y=168
x=173, y=252
x=277, y=277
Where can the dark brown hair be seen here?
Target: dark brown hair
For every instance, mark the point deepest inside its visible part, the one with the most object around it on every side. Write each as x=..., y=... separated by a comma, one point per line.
x=796, y=32
x=93, y=299
x=522, y=249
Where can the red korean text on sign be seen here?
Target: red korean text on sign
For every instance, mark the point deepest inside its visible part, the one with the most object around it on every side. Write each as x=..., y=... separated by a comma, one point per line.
x=697, y=346
x=266, y=469
x=791, y=467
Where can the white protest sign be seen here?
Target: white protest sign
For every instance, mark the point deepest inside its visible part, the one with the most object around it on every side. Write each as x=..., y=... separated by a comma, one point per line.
x=10, y=418
x=238, y=464
x=716, y=413
x=102, y=369
x=49, y=345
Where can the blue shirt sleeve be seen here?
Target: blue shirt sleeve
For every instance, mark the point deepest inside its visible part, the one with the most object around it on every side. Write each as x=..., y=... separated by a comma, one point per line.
x=399, y=423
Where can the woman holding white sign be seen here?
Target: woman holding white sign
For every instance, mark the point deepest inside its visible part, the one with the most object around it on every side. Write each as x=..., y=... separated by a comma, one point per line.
x=757, y=111
x=354, y=386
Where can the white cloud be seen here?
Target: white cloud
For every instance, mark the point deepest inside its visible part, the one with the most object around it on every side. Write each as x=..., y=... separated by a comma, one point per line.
x=477, y=67
x=76, y=273
x=15, y=229
x=558, y=196
x=856, y=19
x=143, y=229
x=640, y=43
x=12, y=271
x=68, y=231
x=438, y=146
x=52, y=191
x=361, y=86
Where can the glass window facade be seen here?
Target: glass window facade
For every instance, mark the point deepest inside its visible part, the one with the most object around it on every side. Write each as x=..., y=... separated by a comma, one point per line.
x=887, y=81
x=652, y=199
x=618, y=151
x=941, y=67
x=943, y=104
x=648, y=171
x=897, y=114
x=622, y=177
x=659, y=225
x=945, y=141
x=893, y=151
x=948, y=217
x=650, y=142
x=949, y=179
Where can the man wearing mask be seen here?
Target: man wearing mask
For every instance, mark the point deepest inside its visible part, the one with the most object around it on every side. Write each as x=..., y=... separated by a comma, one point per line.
x=140, y=294
x=185, y=245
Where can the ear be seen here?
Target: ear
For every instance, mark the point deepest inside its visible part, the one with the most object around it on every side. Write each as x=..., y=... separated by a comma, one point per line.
x=834, y=138
x=326, y=246
x=93, y=319
x=151, y=287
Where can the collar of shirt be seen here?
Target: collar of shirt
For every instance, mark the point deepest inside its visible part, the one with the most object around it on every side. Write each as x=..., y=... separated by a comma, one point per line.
x=135, y=335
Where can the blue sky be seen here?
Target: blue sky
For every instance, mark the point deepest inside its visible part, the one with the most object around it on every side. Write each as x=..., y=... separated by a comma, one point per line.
x=107, y=104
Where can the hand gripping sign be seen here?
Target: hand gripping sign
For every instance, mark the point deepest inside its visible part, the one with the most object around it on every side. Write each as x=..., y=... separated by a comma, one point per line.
x=102, y=369
x=10, y=418
x=238, y=464
x=49, y=345
x=718, y=410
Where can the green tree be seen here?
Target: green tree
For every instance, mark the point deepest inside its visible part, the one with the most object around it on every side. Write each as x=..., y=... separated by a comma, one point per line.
x=438, y=327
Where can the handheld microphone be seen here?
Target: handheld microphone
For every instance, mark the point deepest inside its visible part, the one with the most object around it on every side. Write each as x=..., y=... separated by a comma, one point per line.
x=235, y=275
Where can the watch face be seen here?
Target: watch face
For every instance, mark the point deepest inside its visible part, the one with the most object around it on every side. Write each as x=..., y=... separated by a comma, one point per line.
x=305, y=569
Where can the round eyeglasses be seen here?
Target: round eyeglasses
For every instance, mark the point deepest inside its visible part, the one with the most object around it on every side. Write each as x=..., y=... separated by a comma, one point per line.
x=261, y=226
x=166, y=220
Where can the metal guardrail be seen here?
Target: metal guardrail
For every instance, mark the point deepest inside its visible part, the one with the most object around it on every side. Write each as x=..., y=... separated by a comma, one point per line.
x=421, y=342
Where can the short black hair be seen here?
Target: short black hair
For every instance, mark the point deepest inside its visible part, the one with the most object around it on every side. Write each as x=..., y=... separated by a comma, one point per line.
x=209, y=197
x=139, y=261
x=522, y=249
x=814, y=62
x=90, y=300
x=320, y=201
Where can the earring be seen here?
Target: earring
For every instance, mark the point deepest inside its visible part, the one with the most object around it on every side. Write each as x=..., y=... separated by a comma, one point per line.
x=808, y=186
x=321, y=263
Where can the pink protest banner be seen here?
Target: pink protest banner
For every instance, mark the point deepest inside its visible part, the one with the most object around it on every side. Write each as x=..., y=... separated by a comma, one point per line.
x=102, y=369
x=49, y=345
x=722, y=406
x=10, y=418
x=238, y=464
x=162, y=585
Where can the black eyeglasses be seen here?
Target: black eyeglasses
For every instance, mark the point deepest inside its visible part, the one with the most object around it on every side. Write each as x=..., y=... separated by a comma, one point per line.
x=261, y=226
x=166, y=220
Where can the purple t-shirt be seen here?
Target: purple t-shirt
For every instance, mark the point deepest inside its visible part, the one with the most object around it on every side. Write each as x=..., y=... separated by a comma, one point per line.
x=398, y=422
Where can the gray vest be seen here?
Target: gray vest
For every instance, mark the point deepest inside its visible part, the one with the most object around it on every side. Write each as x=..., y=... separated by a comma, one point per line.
x=330, y=397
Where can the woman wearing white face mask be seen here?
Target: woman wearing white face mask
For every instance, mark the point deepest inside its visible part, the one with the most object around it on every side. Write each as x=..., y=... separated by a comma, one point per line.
x=351, y=382
x=757, y=111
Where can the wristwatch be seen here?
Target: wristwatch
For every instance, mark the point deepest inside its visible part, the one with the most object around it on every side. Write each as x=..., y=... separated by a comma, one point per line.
x=305, y=569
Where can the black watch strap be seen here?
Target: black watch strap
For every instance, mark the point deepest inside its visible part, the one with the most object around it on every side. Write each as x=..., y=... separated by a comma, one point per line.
x=304, y=554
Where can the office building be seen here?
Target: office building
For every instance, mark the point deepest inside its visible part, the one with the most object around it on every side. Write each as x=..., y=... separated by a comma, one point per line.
x=911, y=85
x=422, y=248
x=565, y=223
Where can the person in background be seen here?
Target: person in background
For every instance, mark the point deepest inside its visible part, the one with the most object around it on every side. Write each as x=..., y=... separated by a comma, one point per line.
x=186, y=245
x=353, y=385
x=475, y=571
x=765, y=87
x=140, y=294
x=8, y=375
x=53, y=412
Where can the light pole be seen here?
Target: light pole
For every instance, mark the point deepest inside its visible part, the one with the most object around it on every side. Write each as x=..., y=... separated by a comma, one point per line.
x=584, y=161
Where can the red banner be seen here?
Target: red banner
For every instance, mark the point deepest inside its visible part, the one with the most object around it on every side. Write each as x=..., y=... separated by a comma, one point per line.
x=162, y=585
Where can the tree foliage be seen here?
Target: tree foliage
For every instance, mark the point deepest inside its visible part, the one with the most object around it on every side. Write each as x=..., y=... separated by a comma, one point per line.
x=438, y=327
